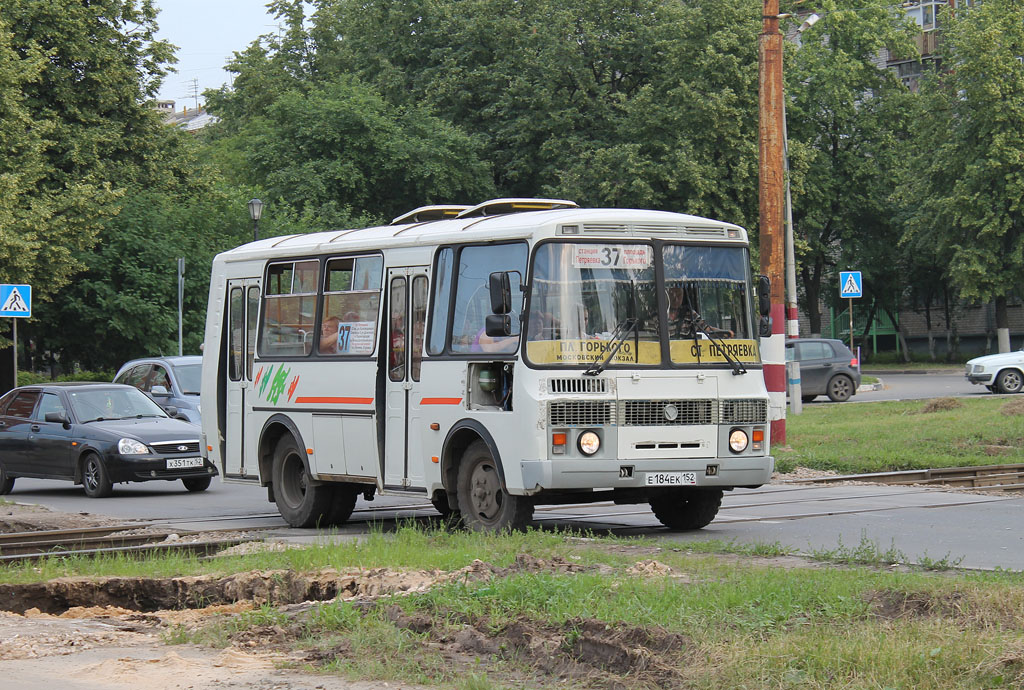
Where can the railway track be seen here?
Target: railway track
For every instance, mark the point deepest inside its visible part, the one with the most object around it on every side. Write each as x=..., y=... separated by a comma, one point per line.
x=982, y=478
x=95, y=541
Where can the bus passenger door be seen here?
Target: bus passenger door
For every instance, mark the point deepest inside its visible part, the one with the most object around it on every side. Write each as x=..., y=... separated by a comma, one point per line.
x=243, y=318
x=407, y=313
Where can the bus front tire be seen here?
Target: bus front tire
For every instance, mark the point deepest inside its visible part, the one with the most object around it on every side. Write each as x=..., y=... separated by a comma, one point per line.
x=484, y=503
x=687, y=509
x=300, y=502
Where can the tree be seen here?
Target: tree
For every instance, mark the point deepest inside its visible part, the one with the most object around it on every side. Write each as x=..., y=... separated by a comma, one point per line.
x=842, y=129
x=652, y=103
x=970, y=165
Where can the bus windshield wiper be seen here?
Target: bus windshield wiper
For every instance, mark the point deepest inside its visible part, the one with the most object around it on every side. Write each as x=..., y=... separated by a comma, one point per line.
x=699, y=324
x=618, y=337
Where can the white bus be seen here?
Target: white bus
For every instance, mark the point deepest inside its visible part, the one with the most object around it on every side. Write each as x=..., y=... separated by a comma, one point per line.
x=491, y=358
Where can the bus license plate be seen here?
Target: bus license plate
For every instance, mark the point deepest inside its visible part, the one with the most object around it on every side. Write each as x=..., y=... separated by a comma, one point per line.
x=182, y=463
x=671, y=479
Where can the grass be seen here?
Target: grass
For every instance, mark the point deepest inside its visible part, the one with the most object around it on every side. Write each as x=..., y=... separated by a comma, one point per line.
x=740, y=624
x=736, y=622
x=889, y=436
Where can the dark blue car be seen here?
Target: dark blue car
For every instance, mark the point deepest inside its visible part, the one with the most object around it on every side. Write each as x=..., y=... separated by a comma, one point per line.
x=96, y=435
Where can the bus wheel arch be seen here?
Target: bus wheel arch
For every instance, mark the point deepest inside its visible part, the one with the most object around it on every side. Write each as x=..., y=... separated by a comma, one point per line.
x=462, y=434
x=274, y=429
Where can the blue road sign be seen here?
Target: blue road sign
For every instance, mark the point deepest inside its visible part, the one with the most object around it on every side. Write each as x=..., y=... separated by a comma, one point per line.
x=850, y=284
x=16, y=301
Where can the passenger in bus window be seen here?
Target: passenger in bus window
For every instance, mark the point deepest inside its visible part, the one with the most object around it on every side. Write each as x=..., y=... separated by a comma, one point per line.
x=329, y=336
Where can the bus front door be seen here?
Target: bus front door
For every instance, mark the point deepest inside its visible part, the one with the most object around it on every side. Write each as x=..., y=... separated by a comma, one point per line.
x=403, y=466
x=243, y=316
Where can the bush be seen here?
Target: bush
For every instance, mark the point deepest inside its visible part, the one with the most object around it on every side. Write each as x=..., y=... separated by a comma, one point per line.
x=27, y=378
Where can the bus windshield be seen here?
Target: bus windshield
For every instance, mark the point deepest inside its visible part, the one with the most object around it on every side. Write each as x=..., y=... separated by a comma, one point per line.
x=587, y=297
x=584, y=297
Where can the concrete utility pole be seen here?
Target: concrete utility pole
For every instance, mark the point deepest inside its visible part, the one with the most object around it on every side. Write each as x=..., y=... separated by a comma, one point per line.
x=771, y=140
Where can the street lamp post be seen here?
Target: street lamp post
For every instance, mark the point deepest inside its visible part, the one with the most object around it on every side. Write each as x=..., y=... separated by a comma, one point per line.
x=771, y=140
x=255, y=211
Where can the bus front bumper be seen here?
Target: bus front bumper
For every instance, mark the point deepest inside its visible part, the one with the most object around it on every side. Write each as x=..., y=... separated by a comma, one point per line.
x=727, y=472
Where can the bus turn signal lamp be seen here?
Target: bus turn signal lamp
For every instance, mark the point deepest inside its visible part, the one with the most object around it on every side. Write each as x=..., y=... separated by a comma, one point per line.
x=757, y=439
x=558, y=442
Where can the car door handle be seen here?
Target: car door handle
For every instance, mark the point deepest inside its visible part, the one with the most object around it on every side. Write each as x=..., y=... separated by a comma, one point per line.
x=35, y=427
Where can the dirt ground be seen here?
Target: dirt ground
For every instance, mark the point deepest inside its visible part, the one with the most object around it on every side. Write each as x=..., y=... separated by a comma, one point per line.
x=115, y=648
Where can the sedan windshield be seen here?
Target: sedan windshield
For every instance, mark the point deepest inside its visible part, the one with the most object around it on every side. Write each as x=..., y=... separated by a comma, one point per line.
x=97, y=404
x=588, y=299
x=188, y=376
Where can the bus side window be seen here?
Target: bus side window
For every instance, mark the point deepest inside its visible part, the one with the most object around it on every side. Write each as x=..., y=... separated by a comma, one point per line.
x=348, y=323
x=472, y=296
x=288, y=317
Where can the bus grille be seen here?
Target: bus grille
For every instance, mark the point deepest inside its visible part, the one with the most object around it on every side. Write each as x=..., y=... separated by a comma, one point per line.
x=656, y=412
x=581, y=413
x=743, y=411
x=579, y=385
x=665, y=412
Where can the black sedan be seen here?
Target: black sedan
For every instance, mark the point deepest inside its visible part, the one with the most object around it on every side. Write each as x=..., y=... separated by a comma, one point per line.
x=96, y=435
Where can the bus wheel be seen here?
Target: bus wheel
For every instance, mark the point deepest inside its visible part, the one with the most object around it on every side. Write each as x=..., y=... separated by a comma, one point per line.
x=485, y=504
x=300, y=503
x=343, y=502
x=687, y=509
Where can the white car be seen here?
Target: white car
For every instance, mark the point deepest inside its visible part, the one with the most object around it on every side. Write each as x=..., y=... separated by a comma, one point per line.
x=1002, y=373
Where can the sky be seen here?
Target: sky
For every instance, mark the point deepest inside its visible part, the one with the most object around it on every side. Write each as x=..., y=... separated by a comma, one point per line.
x=207, y=33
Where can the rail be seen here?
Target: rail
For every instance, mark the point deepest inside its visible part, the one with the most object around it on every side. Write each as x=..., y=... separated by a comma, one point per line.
x=97, y=541
x=979, y=478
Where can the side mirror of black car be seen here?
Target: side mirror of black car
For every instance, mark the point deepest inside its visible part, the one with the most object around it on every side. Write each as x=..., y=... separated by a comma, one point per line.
x=171, y=411
x=57, y=418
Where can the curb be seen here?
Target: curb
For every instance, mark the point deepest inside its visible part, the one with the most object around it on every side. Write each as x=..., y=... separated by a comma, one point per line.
x=866, y=387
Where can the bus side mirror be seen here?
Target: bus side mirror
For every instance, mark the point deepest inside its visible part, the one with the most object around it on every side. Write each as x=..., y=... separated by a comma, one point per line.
x=764, y=295
x=498, y=325
x=501, y=293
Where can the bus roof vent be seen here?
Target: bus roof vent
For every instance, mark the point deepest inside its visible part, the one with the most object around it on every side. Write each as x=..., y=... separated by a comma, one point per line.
x=706, y=231
x=579, y=385
x=606, y=228
x=658, y=229
x=428, y=213
x=498, y=207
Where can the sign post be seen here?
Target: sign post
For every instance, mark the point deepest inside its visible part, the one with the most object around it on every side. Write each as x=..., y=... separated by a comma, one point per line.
x=851, y=286
x=15, y=303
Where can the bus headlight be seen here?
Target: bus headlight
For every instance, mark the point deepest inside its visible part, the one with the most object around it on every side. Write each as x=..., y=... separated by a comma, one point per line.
x=738, y=440
x=589, y=443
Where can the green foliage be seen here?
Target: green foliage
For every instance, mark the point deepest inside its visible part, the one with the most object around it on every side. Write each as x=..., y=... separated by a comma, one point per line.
x=845, y=118
x=970, y=178
x=27, y=378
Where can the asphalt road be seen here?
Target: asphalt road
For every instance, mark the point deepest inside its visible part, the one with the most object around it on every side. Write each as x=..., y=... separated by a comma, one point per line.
x=898, y=385
x=976, y=531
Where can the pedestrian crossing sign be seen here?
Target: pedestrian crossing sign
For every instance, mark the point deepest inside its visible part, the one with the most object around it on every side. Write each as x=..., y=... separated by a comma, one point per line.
x=16, y=301
x=850, y=284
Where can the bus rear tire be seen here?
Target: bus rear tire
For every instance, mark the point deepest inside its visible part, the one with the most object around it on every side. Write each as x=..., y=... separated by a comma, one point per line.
x=687, y=509
x=343, y=502
x=300, y=502
x=484, y=503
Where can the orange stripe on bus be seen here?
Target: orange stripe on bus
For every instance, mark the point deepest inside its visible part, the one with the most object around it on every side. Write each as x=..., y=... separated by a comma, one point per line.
x=338, y=401
x=440, y=401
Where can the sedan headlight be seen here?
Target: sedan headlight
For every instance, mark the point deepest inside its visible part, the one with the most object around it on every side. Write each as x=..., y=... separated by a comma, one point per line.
x=129, y=446
x=589, y=443
x=738, y=440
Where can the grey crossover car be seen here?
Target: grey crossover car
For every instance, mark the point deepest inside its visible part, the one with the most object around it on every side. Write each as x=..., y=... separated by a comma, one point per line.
x=171, y=381
x=827, y=367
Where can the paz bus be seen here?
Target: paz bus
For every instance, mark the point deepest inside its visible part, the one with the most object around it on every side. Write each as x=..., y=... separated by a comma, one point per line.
x=491, y=358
